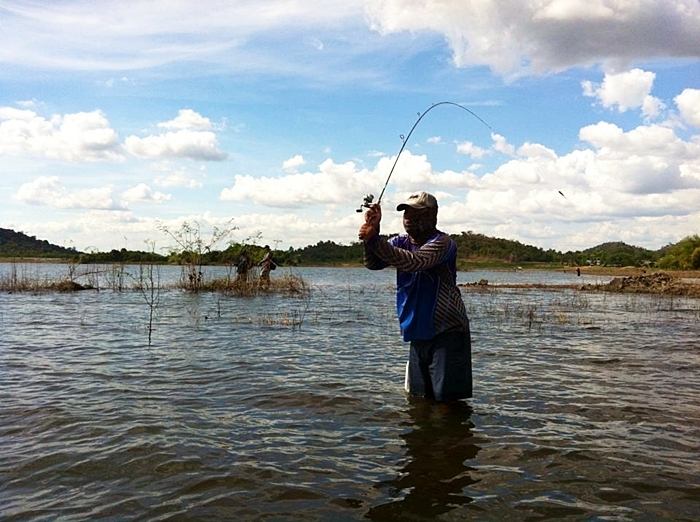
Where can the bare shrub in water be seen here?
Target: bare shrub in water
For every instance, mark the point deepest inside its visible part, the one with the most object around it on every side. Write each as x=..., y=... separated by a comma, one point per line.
x=12, y=282
x=115, y=275
x=21, y=281
x=148, y=284
x=191, y=247
x=534, y=314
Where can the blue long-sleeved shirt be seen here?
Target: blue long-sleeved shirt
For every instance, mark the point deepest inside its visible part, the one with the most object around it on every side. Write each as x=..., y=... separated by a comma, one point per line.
x=428, y=301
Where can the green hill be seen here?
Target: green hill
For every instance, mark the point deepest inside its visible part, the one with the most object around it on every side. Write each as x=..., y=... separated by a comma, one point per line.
x=617, y=254
x=18, y=244
x=684, y=255
x=473, y=247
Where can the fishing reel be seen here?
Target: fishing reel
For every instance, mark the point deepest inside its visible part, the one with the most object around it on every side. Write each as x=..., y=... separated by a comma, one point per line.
x=366, y=202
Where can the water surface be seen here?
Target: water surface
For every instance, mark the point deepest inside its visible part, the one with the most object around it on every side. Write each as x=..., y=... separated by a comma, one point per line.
x=586, y=406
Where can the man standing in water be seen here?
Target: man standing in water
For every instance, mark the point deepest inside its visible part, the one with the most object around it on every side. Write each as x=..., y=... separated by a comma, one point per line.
x=266, y=265
x=428, y=302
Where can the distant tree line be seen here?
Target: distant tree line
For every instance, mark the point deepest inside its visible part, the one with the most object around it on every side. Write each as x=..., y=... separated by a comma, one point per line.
x=473, y=248
x=684, y=255
x=471, y=245
x=328, y=253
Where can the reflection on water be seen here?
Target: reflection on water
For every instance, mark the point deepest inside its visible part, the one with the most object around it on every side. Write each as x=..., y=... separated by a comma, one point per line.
x=439, y=446
x=586, y=406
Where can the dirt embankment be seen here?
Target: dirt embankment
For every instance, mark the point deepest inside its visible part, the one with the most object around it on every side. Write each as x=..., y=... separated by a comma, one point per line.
x=655, y=283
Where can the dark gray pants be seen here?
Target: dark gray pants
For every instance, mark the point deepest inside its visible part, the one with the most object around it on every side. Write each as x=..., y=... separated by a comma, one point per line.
x=441, y=368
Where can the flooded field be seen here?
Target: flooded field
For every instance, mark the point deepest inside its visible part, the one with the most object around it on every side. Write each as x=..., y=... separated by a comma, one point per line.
x=586, y=406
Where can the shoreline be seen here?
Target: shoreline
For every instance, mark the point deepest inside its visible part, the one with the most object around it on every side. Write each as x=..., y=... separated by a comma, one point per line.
x=614, y=271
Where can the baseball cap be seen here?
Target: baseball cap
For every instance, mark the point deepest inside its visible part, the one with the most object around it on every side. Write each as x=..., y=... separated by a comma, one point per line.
x=419, y=200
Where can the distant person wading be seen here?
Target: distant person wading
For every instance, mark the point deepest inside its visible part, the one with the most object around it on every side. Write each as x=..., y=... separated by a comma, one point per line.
x=429, y=303
x=266, y=265
x=243, y=264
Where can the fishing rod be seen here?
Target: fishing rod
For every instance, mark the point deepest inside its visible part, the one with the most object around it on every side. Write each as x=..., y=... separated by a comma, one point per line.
x=369, y=198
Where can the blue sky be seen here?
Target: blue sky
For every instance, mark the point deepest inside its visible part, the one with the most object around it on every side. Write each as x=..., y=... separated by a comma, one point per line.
x=119, y=117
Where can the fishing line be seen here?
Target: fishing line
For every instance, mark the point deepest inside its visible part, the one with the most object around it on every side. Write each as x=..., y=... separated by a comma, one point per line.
x=369, y=198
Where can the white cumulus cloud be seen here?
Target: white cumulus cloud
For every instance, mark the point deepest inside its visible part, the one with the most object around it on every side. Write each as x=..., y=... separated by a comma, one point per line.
x=649, y=159
x=644, y=140
x=81, y=136
x=625, y=91
x=336, y=183
x=187, y=137
x=49, y=191
x=293, y=163
x=688, y=103
x=187, y=119
x=329, y=185
x=469, y=149
x=500, y=144
x=535, y=150
x=143, y=193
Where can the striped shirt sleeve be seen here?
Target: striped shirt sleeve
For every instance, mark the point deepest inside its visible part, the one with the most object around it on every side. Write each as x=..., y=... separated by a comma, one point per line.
x=371, y=260
x=427, y=256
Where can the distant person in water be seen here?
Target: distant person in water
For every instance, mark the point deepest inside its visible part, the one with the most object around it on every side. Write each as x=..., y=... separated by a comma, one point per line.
x=242, y=266
x=266, y=265
x=429, y=303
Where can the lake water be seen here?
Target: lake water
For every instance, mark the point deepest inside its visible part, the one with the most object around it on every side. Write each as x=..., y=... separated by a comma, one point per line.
x=586, y=406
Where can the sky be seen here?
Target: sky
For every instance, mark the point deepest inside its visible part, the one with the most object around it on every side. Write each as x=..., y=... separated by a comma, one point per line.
x=274, y=118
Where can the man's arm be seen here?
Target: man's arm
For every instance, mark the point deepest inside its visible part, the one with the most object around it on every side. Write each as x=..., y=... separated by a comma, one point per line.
x=427, y=256
x=371, y=260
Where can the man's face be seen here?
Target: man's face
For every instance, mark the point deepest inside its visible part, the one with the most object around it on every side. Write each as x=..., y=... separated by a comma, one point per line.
x=418, y=223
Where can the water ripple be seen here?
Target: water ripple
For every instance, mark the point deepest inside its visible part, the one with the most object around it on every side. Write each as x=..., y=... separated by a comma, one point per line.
x=586, y=406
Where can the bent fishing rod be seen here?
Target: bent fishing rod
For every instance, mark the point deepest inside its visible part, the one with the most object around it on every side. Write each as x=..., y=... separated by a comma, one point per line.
x=369, y=198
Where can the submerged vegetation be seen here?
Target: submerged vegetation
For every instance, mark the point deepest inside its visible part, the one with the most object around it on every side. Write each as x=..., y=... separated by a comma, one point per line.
x=288, y=284
x=144, y=278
